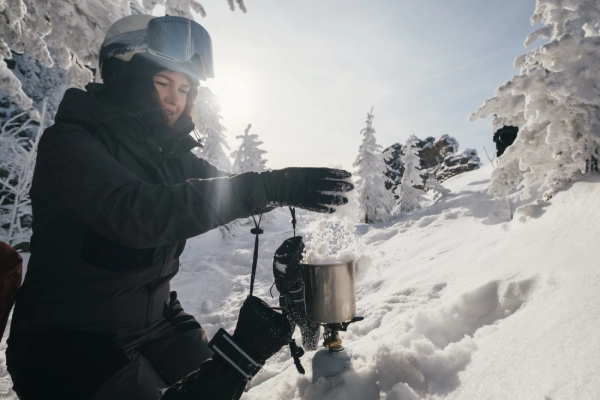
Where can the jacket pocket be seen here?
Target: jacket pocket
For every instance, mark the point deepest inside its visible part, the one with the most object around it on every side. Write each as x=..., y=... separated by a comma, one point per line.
x=108, y=255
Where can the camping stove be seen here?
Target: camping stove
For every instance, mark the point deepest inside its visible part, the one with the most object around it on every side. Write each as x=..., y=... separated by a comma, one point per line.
x=330, y=299
x=331, y=334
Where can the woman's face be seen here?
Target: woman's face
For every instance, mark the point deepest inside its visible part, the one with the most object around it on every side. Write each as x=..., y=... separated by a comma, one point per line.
x=172, y=88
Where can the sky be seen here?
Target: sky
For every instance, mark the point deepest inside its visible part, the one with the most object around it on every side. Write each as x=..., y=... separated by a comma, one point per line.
x=306, y=73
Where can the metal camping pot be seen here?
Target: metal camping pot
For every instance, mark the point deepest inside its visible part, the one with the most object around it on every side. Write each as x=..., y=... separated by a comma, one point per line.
x=329, y=293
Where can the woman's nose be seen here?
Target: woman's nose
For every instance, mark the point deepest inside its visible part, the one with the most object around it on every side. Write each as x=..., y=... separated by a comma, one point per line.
x=171, y=96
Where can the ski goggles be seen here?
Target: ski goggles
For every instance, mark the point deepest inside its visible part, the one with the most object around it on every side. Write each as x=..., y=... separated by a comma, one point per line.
x=176, y=39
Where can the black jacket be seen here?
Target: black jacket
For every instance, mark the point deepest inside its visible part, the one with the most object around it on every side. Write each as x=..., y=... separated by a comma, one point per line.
x=112, y=210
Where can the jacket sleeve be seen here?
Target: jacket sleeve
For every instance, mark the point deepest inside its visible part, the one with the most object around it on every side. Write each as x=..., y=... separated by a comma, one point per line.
x=203, y=169
x=76, y=176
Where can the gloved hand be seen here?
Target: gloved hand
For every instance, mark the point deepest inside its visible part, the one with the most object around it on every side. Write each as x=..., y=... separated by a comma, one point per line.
x=261, y=331
x=287, y=272
x=304, y=187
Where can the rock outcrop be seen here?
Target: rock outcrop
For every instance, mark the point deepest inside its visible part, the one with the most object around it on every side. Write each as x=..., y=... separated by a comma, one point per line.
x=440, y=159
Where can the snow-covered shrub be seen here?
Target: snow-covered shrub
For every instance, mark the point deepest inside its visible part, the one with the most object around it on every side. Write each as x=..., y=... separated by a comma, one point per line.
x=376, y=202
x=555, y=100
x=17, y=160
x=409, y=196
x=438, y=190
x=207, y=118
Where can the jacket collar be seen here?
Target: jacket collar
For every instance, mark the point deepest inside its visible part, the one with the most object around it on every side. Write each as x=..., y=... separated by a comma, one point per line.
x=94, y=107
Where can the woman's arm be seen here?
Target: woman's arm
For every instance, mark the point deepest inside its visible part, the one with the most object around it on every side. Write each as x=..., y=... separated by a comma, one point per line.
x=203, y=169
x=76, y=176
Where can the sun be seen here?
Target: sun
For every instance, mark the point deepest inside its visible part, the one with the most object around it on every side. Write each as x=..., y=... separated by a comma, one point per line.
x=232, y=91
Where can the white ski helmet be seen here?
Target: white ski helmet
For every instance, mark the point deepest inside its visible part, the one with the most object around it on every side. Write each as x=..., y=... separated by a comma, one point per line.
x=177, y=43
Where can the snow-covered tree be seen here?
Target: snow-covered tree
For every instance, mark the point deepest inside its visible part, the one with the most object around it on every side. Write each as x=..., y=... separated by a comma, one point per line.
x=410, y=197
x=248, y=157
x=74, y=28
x=438, y=190
x=17, y=161
x=376, y=202
x=555, y=100
x=207, y=118
x=40, y=84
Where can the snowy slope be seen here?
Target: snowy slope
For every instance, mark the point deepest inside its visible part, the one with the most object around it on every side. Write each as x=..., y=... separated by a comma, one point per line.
x=459, y=301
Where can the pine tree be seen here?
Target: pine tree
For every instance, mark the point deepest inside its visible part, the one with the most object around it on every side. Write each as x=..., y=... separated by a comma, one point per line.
x=410, y=197
x=554, y=101
x=376, y=202
x=208, y=123
x=248, y=157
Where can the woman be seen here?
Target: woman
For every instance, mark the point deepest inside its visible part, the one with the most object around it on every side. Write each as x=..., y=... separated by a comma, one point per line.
x=115, y=194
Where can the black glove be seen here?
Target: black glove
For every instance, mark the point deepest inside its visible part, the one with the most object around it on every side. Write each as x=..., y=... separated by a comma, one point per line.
x=260, y=333
x=304, y=187
x=287, y=272
x=286, y=265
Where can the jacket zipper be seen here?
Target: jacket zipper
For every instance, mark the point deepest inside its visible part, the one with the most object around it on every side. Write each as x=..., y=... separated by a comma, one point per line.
x=170, y=182
x=164, y=167
x=169, y=179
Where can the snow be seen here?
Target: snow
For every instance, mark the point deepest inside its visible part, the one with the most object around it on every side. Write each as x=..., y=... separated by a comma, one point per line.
x=330, y=239
x=460, y=301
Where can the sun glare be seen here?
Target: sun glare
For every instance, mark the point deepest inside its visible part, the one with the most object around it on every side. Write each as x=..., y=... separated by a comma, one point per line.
x=232, y=92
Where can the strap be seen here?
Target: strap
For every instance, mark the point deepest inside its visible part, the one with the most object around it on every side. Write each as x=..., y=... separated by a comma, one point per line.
x=293, y=211
x=255, y=231
x=223, y=345
x=297, y=352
